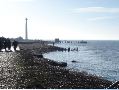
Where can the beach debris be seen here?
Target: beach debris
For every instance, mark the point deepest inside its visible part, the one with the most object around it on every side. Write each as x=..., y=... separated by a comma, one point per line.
x=63, y=64
x=69, y=49
x=38, y=55
x=73, y=61
x=74, y=49
x=54, y=63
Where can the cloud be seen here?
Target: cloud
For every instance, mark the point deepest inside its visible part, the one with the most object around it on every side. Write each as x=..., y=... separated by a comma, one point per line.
x=100, y=18
x=20, y=0
x=96, y=10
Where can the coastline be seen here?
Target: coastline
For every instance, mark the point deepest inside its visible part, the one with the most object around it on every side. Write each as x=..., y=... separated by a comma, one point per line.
x=42, y=74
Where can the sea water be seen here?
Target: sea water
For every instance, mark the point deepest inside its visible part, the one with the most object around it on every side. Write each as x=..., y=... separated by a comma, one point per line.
x=96, y=57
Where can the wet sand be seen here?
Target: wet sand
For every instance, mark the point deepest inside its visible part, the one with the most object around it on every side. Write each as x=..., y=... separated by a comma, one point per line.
x=22, y=69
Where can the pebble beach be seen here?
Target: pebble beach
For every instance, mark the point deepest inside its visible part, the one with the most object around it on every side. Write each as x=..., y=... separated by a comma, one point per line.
x=24, y=70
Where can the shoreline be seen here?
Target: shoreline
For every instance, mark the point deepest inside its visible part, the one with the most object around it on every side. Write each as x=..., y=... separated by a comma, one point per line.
x=56, y=77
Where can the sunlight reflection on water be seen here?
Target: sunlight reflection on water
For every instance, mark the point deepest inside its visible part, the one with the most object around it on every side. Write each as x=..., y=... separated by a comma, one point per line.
x=95, y=57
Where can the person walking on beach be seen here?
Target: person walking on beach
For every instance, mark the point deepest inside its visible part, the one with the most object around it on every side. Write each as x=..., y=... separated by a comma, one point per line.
x=8, y=44
x=15, y=44
x=5, y=44
x=1, y=44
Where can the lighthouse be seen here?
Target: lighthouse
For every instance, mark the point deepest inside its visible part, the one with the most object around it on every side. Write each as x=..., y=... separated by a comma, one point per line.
x=26, y=31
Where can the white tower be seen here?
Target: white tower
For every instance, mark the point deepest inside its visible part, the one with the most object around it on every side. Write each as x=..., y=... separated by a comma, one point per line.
x=26, y=32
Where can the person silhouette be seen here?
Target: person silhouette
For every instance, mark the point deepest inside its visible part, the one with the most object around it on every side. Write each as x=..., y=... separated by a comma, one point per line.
x=1, y=44
x=5, y=43
x=8, y=44
x=15, y=44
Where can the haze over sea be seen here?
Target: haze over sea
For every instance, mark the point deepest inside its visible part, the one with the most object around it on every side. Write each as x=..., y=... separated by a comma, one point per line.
x=96, y=57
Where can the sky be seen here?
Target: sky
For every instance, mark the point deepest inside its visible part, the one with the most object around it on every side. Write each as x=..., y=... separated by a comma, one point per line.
x=63, y=19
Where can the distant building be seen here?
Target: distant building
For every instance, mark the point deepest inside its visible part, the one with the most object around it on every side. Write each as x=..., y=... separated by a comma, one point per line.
x=19, y=39
x=57, y=40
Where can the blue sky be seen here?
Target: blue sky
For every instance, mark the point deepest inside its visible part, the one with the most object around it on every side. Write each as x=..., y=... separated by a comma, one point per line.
x=64, y=19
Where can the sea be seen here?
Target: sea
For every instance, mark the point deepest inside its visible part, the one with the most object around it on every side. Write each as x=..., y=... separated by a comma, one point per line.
x=95, y=57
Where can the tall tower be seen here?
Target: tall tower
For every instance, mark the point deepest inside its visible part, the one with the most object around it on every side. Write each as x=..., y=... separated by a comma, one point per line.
x=26, y=31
